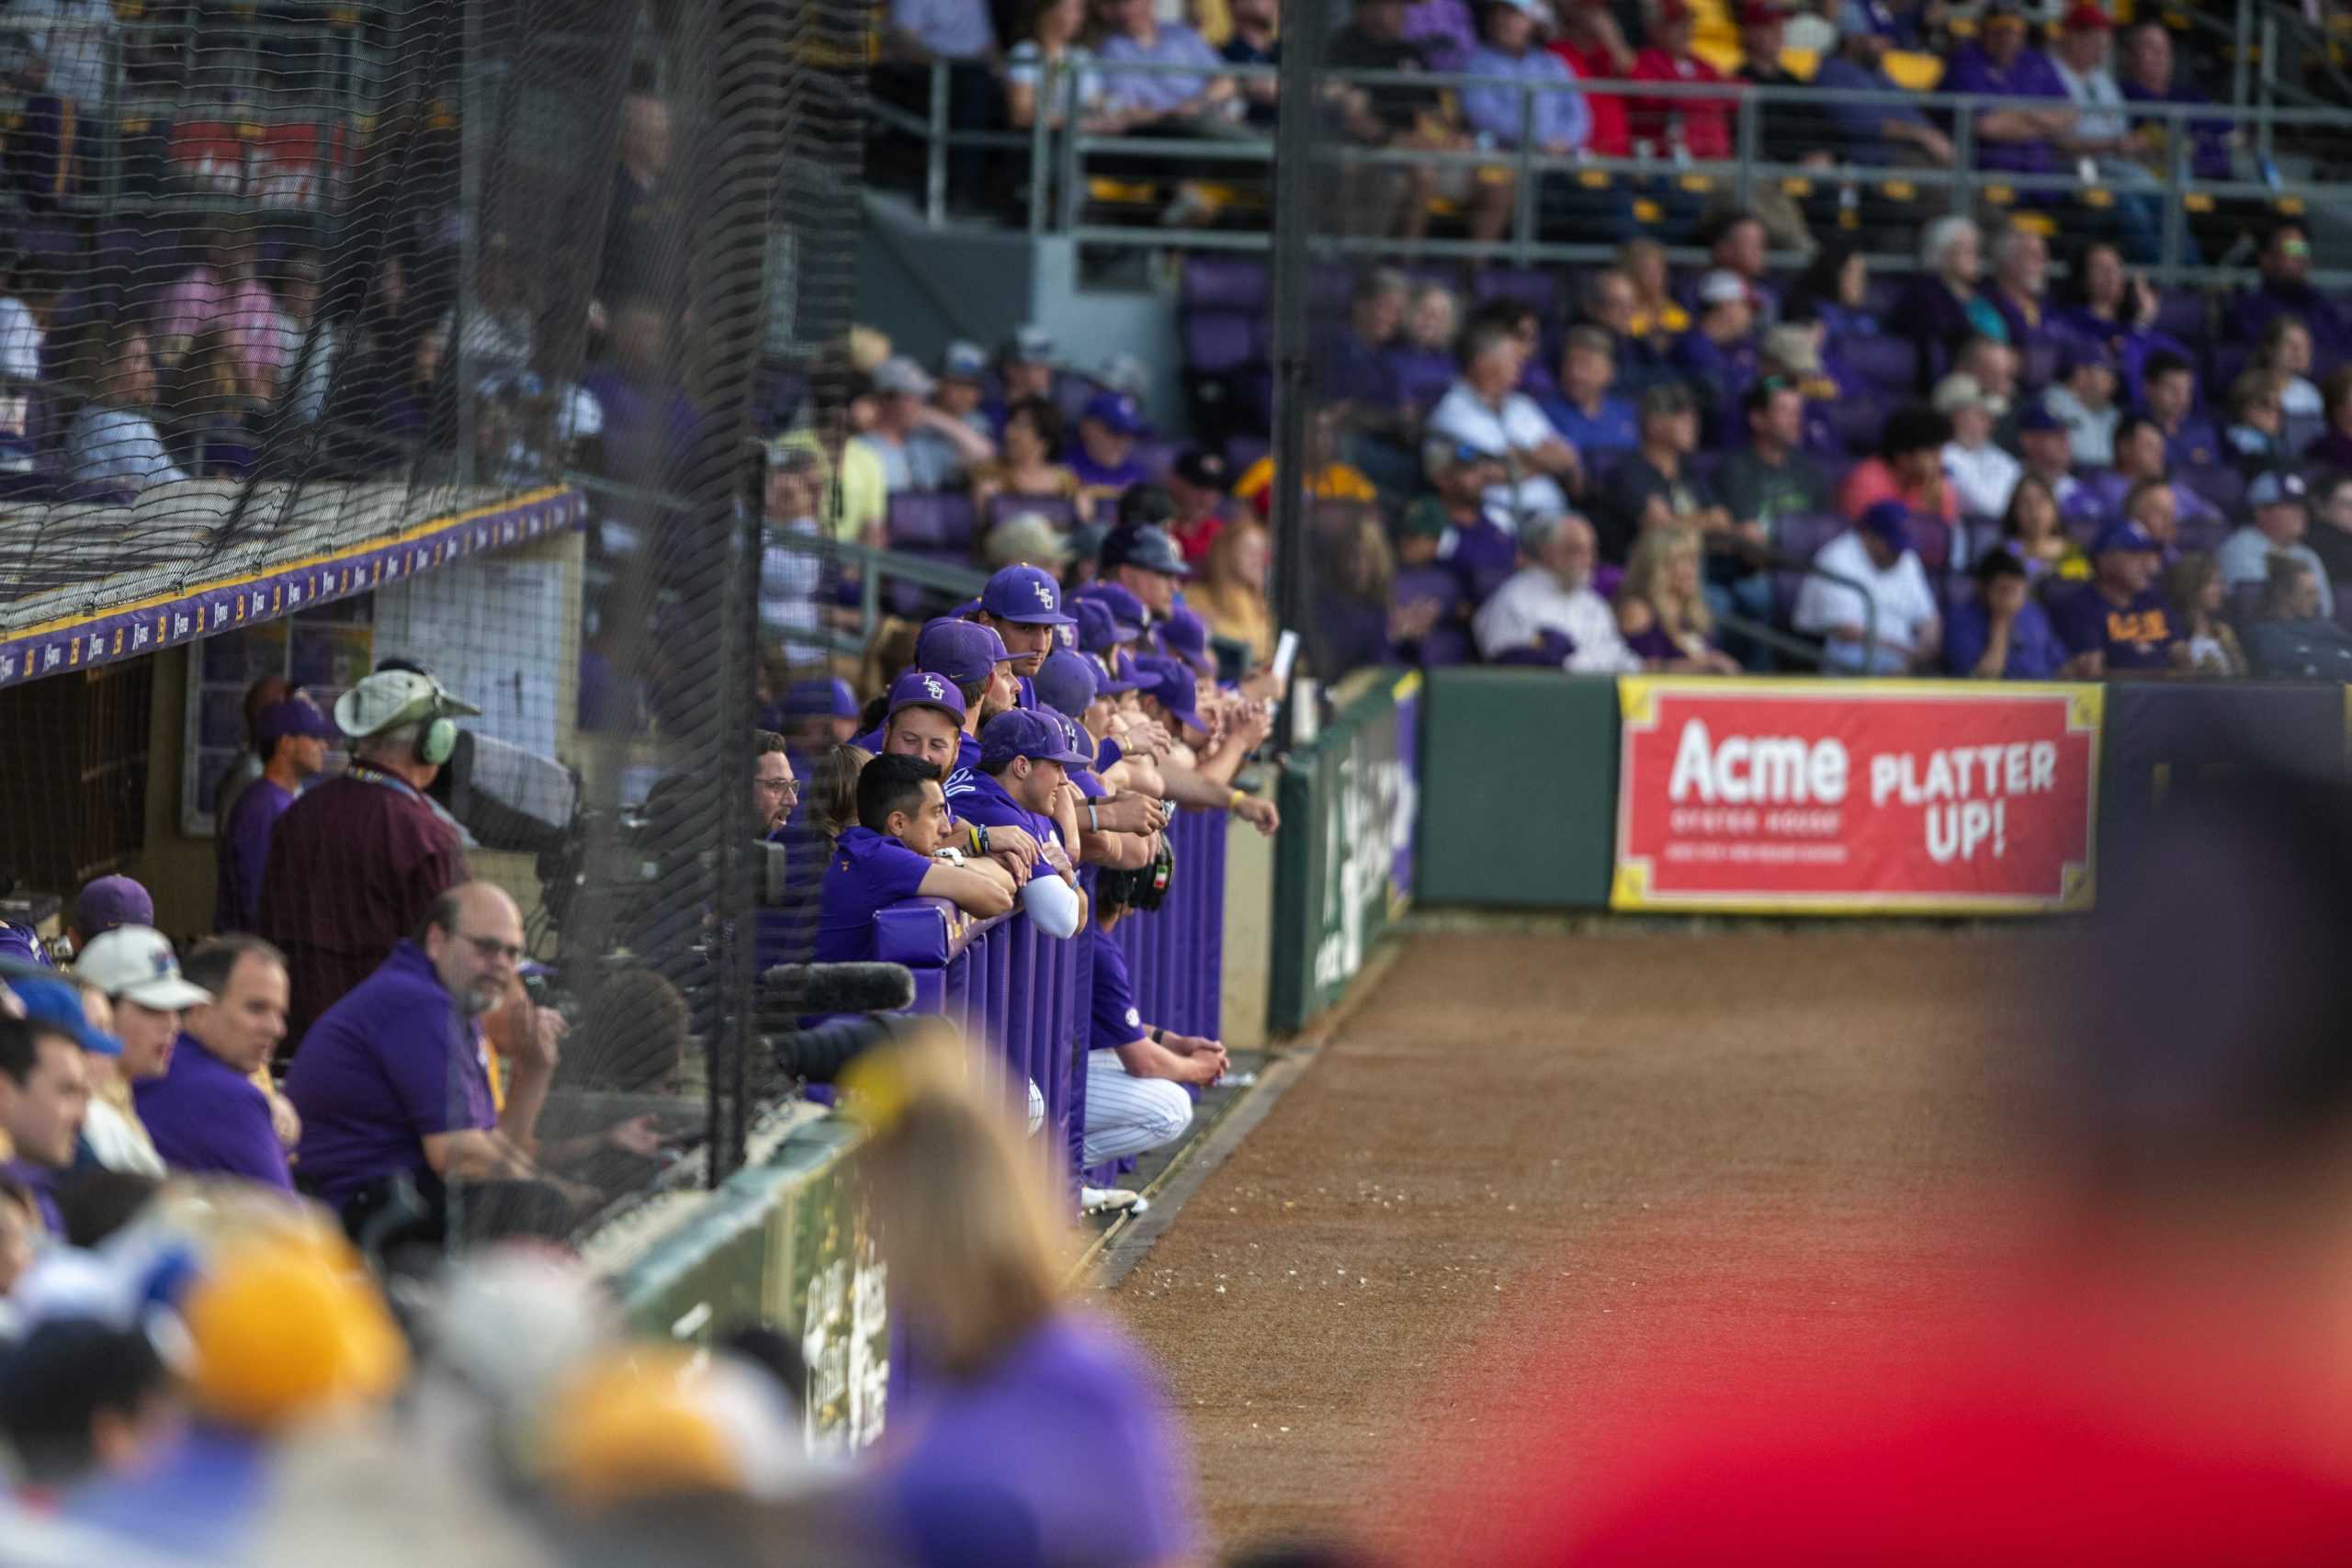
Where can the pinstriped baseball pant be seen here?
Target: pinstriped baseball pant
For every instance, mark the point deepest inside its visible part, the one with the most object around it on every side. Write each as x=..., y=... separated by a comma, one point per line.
x=1126, y=1115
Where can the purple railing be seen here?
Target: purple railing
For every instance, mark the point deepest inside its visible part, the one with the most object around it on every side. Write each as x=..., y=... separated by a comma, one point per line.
x=1026, y=996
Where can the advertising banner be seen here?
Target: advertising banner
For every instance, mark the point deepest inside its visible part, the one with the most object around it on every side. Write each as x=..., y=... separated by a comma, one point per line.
x=1856, y=797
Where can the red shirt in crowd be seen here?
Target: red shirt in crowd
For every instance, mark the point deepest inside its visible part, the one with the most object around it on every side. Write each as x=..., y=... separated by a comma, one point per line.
x=1593, y=66
x=1706, y=122
x=353, y=866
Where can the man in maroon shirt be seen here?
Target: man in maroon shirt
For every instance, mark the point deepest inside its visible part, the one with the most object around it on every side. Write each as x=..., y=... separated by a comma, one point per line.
x=355, y=861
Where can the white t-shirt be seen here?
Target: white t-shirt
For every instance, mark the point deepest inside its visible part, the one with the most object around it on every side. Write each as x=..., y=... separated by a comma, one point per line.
x=2300, y=400
x=1462, y=418
x=1982, y=478
x=1904, y=603
x=119, y=448
x=1532, y=601
x=1081, y=85
x=117, y=1141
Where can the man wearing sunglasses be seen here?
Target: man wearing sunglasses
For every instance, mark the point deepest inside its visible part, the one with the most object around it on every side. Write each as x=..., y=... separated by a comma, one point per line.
x=394, y=1079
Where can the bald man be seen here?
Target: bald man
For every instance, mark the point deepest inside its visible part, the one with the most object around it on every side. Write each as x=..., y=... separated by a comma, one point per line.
x=394, y=1078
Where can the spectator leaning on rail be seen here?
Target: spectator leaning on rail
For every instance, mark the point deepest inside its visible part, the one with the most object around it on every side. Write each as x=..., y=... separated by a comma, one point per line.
x=206, y=1112
x=2278, y=516
x=293, y=735
x=1555, y=594
x=1868, y=599
x=900, y=849
x=356, y=862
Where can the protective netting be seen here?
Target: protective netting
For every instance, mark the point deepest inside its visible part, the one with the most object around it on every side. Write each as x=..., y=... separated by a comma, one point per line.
x=451, y=334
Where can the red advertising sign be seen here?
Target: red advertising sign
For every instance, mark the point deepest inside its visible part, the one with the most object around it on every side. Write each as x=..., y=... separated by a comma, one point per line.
x=1854, y=796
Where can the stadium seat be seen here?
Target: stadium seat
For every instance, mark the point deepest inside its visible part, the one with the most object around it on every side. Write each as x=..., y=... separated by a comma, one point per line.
x=1890, y=364
x=2185, y=314
x=1855, y=422
x=2225, y=488
x=931, y=520
x=1527, y=286
x=2038, y=365
x=1226, y=283
x=1219, y=341
x=1061, y=510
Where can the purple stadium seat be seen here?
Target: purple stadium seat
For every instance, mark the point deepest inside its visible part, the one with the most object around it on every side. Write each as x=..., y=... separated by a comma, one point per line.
x=1241, y=453
x=1061, y=510
x=931, y=520
x=1329, y=287
x=1216, y=342
x=2184, y=314
x=1226, y=283
x=2228, y=361
x=1855, y=422
x=2037, y=366
x=2202, y=537
x=1529, y=286
x=1156, y=457
x=1890, y=364
x=2225, y=488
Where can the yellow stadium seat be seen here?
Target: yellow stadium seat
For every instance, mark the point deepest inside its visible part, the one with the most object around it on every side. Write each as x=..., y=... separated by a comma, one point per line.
x=1648, y=211
x=2097, y=196
x=1913, y=71
x=1223, y=199
x=2000, y=196
x=1131, y=193
x=2197, y=201
x=2040, y=223
x=1593, y=179
x=1795, y=188
x=1801, y=64
x=1899, y=190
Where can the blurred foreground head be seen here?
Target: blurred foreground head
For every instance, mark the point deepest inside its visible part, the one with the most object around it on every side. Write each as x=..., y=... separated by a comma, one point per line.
x=2202, y=1038
x=975, y=1249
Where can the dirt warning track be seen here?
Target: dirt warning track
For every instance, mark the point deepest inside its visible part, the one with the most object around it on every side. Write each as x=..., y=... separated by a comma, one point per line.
x=1589, y=1143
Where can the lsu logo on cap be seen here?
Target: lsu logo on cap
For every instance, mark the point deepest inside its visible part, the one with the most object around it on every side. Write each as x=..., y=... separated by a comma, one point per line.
x=933, y=689
x=1045, y=594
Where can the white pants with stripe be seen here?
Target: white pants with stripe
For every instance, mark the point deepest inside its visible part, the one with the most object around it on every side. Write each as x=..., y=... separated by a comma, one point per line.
x=1126, y=1115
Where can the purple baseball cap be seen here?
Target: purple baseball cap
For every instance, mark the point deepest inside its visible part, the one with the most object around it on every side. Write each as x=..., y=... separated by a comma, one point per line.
x=1025, y=732
x=1171, y=683
x=1026, y=594
x=1096, y=633
x=1128, y=612
x=1082, y=744
x=1116, y=412
x=820, y=696
x=107, y=902
x=963, y=651
x=296, y=715
x=2123, y=535
x=1889, y=522
x=1183, y=635
x=922, y=689
x=1067, y=681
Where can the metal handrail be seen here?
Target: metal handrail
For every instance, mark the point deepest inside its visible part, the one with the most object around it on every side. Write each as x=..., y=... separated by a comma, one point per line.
x=1059, y=153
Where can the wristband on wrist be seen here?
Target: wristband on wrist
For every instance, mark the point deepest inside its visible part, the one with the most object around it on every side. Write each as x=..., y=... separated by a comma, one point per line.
x=1233, y=801
x=1159, y=1035
x=1093, y=824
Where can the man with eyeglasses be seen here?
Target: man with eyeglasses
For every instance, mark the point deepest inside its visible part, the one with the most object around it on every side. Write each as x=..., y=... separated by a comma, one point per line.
x=774, y=791
x=394, y=1079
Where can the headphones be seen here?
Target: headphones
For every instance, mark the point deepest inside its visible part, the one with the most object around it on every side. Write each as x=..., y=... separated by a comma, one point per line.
x=437, y=741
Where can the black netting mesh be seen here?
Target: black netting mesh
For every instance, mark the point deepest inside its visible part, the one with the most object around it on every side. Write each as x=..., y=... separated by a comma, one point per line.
x=290, y=278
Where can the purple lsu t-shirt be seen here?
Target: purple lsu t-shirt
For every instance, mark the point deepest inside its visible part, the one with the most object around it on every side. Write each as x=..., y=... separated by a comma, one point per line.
x=2137, y=636
x=388, y=1065
x=1102, y=1479
x=983, y=800
x=208, y=1118
x=868, y=871
x=244, y=850
x=1114, y=1018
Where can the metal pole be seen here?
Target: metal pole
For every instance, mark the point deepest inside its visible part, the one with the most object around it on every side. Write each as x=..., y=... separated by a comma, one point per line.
x=1522, y=217
x=473, y=111
x=934, y=150
x=2175, y=222
x=1041, y=164
x=2263, y=130
x=1751, y=136
x=1305, y=28
x=2241, y=39
x=1963, y=146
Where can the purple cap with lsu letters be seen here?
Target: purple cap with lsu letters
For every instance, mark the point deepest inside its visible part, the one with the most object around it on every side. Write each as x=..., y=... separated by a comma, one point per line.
x=1024, y=732
x=922, y=689
x=963, y=651
x=1026, y=594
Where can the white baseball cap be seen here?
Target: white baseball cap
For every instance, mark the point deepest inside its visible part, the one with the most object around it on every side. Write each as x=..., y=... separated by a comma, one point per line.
x=395, y=696
x=136, y=962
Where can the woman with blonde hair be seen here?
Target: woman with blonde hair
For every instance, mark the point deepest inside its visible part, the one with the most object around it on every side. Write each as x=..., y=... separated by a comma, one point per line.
x=1662, y=607
x=1231, y=593
x=980, y=1252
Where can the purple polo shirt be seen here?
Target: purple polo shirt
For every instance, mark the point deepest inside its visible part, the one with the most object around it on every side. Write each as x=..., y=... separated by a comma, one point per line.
x=388, y=1065
x=868, y=871
x=1094, y=476
x=2030, y=75
x=207, y=1118
x=1102, y=1479
x=244, y=850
